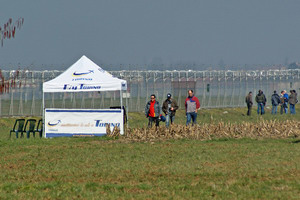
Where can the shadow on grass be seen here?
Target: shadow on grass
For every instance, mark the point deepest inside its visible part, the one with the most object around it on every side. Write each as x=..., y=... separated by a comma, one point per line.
x=296, y=141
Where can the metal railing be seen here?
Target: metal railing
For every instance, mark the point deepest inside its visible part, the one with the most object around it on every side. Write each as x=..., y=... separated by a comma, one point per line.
x=21, y=91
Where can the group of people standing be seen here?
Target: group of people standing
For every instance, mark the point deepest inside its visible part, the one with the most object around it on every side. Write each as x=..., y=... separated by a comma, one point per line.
x=192, y=105
x=169, y=107
x=282, y=100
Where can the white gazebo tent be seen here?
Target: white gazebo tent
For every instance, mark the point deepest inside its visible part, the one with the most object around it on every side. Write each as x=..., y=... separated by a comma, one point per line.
x=84, y=76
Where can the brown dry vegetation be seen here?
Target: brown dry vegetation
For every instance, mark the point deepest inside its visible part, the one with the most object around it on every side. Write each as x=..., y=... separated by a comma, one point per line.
x=262, y=129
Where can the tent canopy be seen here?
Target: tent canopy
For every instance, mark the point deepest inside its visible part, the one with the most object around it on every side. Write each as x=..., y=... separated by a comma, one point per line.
x=84, y=76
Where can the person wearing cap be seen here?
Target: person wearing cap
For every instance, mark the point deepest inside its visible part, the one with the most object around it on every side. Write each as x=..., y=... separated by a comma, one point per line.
x=192, y=104
x=152, y=111
x=169, y=108
x=275, y=102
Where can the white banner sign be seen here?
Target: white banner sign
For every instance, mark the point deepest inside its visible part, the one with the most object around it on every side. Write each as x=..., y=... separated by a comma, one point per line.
x=81, y=122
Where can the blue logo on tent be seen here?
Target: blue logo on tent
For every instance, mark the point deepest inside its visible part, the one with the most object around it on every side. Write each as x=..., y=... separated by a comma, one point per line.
x=82, y=73
x=81, y=87
x=55, y=123
x=123, y=84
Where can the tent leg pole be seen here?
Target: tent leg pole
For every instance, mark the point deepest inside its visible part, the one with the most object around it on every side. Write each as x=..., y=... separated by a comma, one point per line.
x=121, y=102
x=43, y=125
x=127, y=123
x=121, y=99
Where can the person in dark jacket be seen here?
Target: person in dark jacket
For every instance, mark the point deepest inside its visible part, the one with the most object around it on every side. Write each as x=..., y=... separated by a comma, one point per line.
x=152, y=111
x=249, y=103
x=283, y=104
x=275, y=102
x=169, y=108
x=261, y=102
x=192, y=104
x=292, y=101
x=286, y=101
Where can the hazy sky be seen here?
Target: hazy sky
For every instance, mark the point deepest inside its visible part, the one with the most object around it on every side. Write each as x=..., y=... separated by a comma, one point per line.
x=58, y=32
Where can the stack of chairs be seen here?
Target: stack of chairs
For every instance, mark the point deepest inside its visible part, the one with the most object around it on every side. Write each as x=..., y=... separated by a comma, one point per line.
x=39, y=128
x=20, y=127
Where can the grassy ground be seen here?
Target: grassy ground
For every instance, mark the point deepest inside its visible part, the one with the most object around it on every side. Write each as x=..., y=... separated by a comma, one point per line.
x=102, y=168
x=90, y=168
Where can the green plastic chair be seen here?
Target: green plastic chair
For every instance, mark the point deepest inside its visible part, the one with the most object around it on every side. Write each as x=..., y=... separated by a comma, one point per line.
x=39, y=128
x=18, y=127
x=29, y=127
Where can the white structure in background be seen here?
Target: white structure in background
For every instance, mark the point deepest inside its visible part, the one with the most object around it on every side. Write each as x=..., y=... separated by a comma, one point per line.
x=21, y=90
x=82, y=76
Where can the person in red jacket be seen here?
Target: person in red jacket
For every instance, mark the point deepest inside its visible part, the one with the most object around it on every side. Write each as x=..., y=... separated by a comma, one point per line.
x=192, y=104
x=152, y=111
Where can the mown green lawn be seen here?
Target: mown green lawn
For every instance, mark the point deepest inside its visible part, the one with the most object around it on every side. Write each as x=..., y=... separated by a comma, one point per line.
x=102, y=168
x=90, y=168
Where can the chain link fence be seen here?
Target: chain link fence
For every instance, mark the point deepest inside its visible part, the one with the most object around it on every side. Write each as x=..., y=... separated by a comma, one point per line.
x=21, y=91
